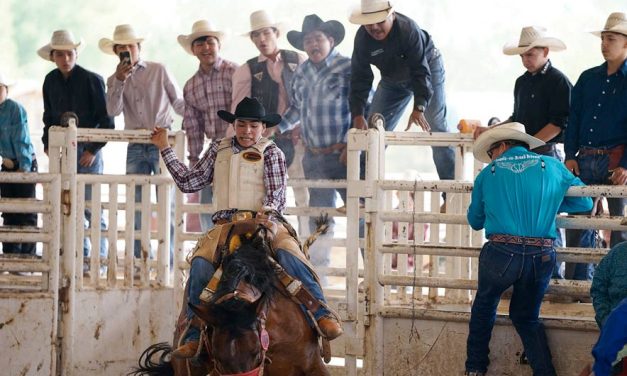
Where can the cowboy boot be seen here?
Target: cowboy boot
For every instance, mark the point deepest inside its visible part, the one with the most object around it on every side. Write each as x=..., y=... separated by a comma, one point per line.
x=330, y=327
x=186, y=351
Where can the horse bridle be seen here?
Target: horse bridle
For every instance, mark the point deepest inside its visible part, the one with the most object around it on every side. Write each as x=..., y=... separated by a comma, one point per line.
x=264, y=343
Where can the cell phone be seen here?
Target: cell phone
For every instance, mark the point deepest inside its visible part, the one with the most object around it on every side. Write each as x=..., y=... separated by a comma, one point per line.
x=125, y=57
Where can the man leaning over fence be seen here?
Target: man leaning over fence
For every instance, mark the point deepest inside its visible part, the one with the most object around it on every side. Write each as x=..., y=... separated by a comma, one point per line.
x=516, y=198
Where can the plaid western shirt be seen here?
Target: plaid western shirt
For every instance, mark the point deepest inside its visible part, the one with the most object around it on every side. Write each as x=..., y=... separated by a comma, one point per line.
x=320, y=101
x=201, y=174
x=205, y=93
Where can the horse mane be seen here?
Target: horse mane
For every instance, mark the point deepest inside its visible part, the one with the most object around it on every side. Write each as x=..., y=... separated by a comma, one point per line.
x=250, y=264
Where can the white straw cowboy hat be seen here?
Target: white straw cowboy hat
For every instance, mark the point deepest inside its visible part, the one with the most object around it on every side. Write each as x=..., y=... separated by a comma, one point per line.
x=533, y=36
x=260, y=19
x=123, y=34
x=508, y=131
x=61, y=40
x=371, y=12
x=200, y=28
x=616, y=23
x=5, y=81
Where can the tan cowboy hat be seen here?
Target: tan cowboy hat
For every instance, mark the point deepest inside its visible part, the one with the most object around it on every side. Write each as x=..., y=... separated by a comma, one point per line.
x=508, y=131
x=616, y=23
x=123, y=34
x=200, y=28
x=371, y=12
x=260, y=19
x=5, y=81
x=533, y=36
x=61, y=40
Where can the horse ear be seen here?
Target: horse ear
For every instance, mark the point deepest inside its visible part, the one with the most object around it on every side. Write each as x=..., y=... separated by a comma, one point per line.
x=234, y=243
x=202, y=311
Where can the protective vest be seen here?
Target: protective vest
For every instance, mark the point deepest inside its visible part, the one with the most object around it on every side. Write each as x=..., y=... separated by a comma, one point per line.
x=264, y=88
x=238, y=177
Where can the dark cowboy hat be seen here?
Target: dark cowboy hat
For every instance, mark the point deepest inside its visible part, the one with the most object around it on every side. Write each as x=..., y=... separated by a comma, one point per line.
x=312, y=22
x=250, y=109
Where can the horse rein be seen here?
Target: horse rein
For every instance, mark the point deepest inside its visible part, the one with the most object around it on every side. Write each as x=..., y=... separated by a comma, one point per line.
x=264, y=342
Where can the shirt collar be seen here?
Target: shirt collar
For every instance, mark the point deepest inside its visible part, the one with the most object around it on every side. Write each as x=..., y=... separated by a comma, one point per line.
x=327, y=60
x=217, y=66
x=546, y=67
x=141, y=63
x=623, y=68
x=263, y=58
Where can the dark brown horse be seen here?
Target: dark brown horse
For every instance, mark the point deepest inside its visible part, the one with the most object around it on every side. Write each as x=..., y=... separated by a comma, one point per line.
x=270, y=336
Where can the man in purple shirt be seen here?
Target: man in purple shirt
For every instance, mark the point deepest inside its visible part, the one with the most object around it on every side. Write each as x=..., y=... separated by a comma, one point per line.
x=250, y=121
x=145, y=92
x=206, y=92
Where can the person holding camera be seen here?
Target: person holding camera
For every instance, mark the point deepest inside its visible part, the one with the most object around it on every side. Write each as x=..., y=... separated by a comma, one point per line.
x=71, y=88
x=145, y=92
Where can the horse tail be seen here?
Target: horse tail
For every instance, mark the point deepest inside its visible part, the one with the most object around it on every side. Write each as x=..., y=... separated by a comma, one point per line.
x=148, y=367
x=322, y=226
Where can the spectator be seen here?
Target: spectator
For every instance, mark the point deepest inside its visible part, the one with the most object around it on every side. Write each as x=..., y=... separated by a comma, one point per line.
x=609, y=285
x=273, y=70
x=515, y=198
x=206, y=92
x=410, y=66
x=319, y=101
x=18, y=155
x=597, y=130
x=145, y=92
x=265, y=191
x=541, y=95
x=72, y=88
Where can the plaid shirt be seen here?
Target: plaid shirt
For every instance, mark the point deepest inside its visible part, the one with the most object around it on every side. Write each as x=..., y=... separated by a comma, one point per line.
x=320, y=101
x=205, y=94
x=201, y=174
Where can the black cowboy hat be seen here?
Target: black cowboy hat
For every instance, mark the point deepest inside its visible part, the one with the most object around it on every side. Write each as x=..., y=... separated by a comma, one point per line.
x=312, y=22
x=250, y=109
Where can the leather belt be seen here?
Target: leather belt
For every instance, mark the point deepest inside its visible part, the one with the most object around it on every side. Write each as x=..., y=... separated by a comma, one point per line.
x=335, y=148
x=513, y=239
x=545, y=148
x=601, y=151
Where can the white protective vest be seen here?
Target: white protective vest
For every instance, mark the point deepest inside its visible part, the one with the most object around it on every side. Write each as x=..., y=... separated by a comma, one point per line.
x=238, y=178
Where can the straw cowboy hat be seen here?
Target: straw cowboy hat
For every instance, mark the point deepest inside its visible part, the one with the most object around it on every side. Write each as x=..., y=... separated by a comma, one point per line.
x=312, y=22
x=250, y=109
x=371, y=12
x=508, y=131
x=5, y=81
x=533, y=36
x=123, y=34
x=61, y=40
x=616, y=23
x=260, y=19
x=200, y=28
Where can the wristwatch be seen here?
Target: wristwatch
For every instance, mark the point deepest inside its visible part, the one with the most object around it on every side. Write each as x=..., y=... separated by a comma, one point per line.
x=420, y=108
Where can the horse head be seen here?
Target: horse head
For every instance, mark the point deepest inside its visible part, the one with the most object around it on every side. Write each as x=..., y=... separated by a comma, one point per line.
x=236, y=313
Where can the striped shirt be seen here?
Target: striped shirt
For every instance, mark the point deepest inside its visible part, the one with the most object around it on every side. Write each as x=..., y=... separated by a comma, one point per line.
x=205, y=93
x=320, y=101
x=201, y=174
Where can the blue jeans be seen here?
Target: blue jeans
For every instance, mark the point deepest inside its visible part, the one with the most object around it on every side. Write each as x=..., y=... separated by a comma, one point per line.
x=206, y=197
x=391, y=98
x=321, y=166
x=143, y=159
x=593, y=169
x=528, y=269
x=95, y=168
x=202, y=270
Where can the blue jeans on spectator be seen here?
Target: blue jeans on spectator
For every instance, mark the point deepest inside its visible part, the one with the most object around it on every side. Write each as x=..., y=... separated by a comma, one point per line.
x=96, y=168
x=202, y=270
x=143, y=159
x=206, y=197
x=528, y=269
x=593, y=170
x=391, y=99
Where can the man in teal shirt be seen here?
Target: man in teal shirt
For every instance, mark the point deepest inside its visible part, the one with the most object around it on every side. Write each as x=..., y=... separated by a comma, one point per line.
x=516, y=198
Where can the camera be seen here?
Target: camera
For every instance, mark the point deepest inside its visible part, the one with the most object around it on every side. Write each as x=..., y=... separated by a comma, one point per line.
x=125, y=57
